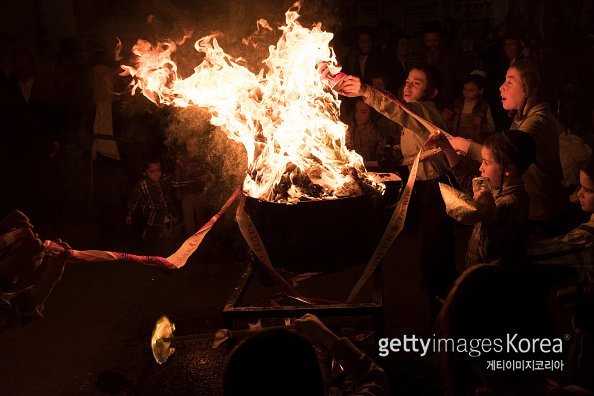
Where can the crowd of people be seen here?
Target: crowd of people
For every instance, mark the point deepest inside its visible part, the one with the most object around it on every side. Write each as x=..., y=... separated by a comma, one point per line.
x=526, y=224
x=499, y=111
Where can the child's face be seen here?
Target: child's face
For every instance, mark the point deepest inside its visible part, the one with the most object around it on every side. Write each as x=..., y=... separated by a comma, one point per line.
x=512, y=92
x=364, y=42
x=432, y=39
x=511, y=48
x=586, y=192
x=153, y=172
x=415, y=86
x=471, y=91
x=362, y=113
x=489, y=168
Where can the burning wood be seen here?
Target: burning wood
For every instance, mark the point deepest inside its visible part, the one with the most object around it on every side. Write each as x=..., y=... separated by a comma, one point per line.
x=309, y=185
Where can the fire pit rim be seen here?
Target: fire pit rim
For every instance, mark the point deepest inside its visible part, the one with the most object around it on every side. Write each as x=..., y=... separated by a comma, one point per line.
x=329, y=199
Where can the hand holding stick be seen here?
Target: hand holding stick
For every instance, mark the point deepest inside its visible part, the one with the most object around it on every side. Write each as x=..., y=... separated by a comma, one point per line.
x=444, y=143
x=312, y=327
x=163, y=340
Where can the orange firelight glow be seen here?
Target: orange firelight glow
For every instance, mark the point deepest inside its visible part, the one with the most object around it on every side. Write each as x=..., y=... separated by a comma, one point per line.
x=286, y=116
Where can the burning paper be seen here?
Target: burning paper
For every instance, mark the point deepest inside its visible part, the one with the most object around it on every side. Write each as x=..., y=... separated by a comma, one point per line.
x=162, y=349
x=286, y=116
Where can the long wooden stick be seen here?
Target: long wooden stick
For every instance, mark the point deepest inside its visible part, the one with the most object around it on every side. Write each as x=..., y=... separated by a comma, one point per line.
x=254, y=241
x=191, y=337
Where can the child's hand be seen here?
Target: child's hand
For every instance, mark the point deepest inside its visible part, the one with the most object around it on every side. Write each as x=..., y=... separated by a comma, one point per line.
x=486, y=206
x=351, y=86
x=312, y=327
x=438, y=140
x=128, y=220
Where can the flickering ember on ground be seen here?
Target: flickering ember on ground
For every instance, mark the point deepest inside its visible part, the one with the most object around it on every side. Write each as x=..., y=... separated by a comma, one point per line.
x=162, y=349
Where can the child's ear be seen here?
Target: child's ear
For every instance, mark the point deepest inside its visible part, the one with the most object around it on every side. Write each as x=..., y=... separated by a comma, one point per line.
x=510, y=170
x=481, y=91
x=433, y=94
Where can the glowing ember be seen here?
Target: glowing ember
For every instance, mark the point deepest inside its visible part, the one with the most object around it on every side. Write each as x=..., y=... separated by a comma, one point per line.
x=286, y=116
x=256, y=326
x=162, y=349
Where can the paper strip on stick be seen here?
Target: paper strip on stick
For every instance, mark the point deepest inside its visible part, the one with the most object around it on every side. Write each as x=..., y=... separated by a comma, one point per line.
x=392, y=231
x=175, y=261
x=249, y=232
x=181, y=256
x=430, y=127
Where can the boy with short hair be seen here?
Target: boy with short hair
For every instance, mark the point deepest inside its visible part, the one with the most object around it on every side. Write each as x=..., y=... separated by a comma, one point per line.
x=438, y=242
x=502, y=226
x=152, y=196
x=576, y=250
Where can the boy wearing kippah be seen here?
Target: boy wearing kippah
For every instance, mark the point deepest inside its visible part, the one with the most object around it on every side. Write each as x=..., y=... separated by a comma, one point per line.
x=502, y=225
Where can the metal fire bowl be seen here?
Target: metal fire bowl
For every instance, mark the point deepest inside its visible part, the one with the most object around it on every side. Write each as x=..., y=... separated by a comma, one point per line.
x=322, y=236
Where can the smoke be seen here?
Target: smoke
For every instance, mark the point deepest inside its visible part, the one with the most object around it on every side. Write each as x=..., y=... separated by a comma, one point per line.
x=224, y=161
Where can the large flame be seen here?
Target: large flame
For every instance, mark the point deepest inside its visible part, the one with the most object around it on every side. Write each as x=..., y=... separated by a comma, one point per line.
x=286, y=116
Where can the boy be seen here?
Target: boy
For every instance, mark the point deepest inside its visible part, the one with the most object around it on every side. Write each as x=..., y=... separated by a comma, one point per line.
x=575, y=249
x=152, y=196
x=438, y=243
x=502, y=230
